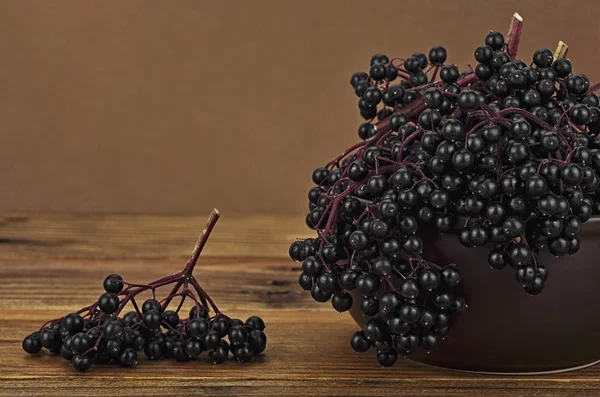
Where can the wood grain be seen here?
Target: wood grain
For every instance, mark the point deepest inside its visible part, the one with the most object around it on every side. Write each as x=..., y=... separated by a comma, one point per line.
x=52, y=263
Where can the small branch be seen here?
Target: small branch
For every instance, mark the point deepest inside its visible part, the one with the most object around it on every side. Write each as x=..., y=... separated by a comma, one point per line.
x=212, y=221
x=201, y=293
x=135, y=306
x=171, y=295
x=561, y=50
x=514, y=35
x=181, y=303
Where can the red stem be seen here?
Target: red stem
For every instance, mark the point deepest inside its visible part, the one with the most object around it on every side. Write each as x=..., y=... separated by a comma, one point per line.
x=514, y=35
x=212, y=221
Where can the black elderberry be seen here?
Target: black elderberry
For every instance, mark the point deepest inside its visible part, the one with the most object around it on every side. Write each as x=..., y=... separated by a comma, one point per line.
x=437, y=55
x=372, y=96
x=449, y=74
x=563, y=67
x=484, y=72
x=328, y=283
x=468, y=100
x=360, y=88
x=80, y=343
x=341, y=301
x=409, y=313
x=453, y=130
x=357, y=170
x=72, y=323
x=543, y=57
x=531, y=98
x=412, y=244
x=430, y=141
x=450, y=276
x=418, y=79
x=305, y=281
x=499, y=58
x=495, y=40
x=378, y=71
x=430, y=279
x=452, y=89
x=371, y=155
x=379, y=58
x=547, y=74
x=497, y=259
x=506, y=70
x=590, y=99
x=366, y=284
x=491, y=133
x=312, y=265
x=422, y=58
x=463, y=160
x=31, y=344
x=580, y=114
x=150, y=304
x=571, y=175
x=577, y=84
x=483, y=54
x=359, y=342
x=430, y=118
x=517, y=152
x=508, y=146
x=82, y=363
x=433, y=98
x=113, y=283
x=357, y=78
x=50, y=339
x=365, y=131
x=369, y=306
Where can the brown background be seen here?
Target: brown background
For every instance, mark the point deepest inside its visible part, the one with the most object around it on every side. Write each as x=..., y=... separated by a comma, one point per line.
x=178, y=106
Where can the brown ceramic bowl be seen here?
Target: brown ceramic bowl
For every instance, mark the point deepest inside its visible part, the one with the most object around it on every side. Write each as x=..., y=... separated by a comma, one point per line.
x=504, y=329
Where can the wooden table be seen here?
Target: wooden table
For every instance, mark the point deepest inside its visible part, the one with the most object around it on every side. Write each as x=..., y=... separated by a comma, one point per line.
x=51, y=264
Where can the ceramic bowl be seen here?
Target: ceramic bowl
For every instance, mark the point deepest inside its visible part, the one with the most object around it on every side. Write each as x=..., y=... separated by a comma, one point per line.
x=505, y=330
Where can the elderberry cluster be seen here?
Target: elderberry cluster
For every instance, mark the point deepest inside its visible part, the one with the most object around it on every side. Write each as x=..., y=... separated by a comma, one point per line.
x=98, y=334
x=103, y=338
x=506, y=156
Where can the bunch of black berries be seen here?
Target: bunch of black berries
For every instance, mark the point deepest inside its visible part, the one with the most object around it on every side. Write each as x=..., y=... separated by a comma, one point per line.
x=506, y=154
x=97, y=333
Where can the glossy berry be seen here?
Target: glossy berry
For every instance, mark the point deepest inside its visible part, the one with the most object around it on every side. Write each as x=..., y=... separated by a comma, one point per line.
x=495, y=40
x=108, y=302
x=113, y=283
x=437, y=55
x=501, y=157
x=82, y=363
x=31, y=344
x=468, y=100
x=543, y=57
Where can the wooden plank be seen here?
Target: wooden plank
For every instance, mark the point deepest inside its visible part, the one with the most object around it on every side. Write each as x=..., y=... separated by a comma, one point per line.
x=57, y=235
x=308, y=351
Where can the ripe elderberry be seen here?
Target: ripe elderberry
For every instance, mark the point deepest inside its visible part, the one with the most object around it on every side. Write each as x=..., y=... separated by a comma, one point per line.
x=506, y=156
x=98, y=334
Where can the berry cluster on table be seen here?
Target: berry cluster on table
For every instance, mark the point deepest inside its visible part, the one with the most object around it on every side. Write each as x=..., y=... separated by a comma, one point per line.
x=102, y=334
x=506, y=155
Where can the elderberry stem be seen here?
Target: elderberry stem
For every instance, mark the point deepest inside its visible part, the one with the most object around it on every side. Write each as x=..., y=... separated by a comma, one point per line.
x=181, y=302
x=135, y=306
x=201, y=292
x=514, y=35
x=409, y=139
x=337, y=199
x=212, y=221
x=173, y=293
x=95, y=347
x=193, y=297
